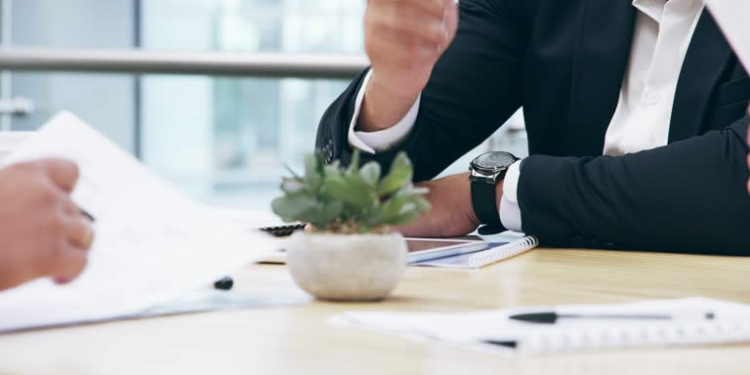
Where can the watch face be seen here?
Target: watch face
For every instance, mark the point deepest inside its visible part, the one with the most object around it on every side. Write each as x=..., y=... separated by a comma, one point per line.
x=494, y=160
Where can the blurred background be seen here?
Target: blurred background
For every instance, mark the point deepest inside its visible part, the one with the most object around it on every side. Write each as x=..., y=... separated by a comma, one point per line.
x=224, y=139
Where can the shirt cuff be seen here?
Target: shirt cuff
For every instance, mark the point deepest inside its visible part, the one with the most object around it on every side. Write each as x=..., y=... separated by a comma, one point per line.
x=510, y=211
x=373, y=142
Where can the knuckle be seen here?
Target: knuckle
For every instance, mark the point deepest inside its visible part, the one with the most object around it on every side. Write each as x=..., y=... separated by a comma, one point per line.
x=56, y=225
x=436, y=33
x=47, y=196
x=423, y=56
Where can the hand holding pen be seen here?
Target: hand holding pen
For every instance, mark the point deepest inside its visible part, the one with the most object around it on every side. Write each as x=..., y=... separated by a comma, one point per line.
x=44, y=232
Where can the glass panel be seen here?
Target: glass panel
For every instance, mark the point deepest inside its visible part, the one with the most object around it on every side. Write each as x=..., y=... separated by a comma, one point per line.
x=227, y=139
x=106, y=101
x=320, y=26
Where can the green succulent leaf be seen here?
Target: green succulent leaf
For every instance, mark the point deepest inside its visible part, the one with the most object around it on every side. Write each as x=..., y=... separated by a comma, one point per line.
x=371, y=173
x=399, y=175
x=405, y=218
x=423, y=205
x=311, y=164
x=313, y=172
x=333, y=169
x=291, y=207
x=354, y=165
x=332, y=212
x=357, y=199
x=292, y=185
x=347, y=191
x=292, y=172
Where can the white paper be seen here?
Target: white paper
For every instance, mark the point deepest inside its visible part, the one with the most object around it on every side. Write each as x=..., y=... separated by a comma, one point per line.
x=153, y=243
x=250, y=219
x=254, y=220
x=733, y=16
x=472, y=328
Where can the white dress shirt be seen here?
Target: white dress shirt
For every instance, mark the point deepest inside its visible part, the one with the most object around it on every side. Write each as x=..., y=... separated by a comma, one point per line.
x=641, y=121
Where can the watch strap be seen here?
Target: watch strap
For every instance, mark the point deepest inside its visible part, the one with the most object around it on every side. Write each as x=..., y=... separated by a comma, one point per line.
x=488, y=230
x=484, y=201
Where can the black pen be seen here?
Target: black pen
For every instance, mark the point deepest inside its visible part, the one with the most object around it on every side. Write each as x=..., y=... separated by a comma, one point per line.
x=87, y=215
x=551, y=317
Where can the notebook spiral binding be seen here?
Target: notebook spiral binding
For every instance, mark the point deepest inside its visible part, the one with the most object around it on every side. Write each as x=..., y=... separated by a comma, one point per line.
x=284, y=230
x=503, y=252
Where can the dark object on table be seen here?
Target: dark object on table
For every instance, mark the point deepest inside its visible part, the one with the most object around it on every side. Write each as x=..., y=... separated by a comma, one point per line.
x=224, y=284
x=283, y=230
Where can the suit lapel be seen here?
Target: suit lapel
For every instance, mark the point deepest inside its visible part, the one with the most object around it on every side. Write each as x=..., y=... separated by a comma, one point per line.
x=705, y=62
x=601, y=58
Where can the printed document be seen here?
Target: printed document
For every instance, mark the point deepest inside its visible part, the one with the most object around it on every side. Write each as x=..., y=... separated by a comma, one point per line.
x=153, y=243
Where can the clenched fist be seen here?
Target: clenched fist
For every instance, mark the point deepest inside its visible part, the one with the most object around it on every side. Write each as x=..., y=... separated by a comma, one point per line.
x=404, y=39
x=42, y=232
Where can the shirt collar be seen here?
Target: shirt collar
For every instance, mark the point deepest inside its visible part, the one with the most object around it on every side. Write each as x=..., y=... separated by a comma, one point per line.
x=651, y=8
x=655, y=8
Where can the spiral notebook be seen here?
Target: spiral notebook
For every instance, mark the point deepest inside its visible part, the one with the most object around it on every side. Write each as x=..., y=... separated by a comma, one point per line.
x=493, y=330
x=496, y=252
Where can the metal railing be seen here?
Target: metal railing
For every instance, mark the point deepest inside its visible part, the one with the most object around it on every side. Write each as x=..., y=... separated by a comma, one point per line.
x=274, y=65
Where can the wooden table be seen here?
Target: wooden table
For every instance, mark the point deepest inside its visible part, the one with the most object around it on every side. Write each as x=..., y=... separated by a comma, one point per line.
x=299, y=340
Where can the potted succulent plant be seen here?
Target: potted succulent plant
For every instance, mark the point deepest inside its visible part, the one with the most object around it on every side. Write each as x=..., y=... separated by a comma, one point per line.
x=349, y=251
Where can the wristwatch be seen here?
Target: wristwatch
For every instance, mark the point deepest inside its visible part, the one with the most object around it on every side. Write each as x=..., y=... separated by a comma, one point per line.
x=486, y=171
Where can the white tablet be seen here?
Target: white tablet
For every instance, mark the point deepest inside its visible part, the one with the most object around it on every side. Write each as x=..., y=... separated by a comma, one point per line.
x=423, y=249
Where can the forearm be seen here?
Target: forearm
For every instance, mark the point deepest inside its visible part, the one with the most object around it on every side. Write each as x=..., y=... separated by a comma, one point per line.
x=685, y=197
x=472, y=90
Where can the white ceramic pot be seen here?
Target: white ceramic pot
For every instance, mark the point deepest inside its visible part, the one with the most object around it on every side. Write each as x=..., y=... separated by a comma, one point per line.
x=347, y=267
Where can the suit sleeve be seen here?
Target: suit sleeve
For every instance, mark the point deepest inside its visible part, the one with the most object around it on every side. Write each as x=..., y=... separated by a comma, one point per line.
x=690, y=196
x=475, y=87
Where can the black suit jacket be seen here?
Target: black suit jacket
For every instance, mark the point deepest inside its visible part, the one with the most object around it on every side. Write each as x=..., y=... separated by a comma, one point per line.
x=564, y=63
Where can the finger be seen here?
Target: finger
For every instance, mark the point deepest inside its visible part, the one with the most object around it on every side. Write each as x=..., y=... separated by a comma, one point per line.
x=63, y=174
x=401, y=51
x=80, y=233
x=451, y=22
x=435, y=8
x=70, y=264
x=411, y=23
